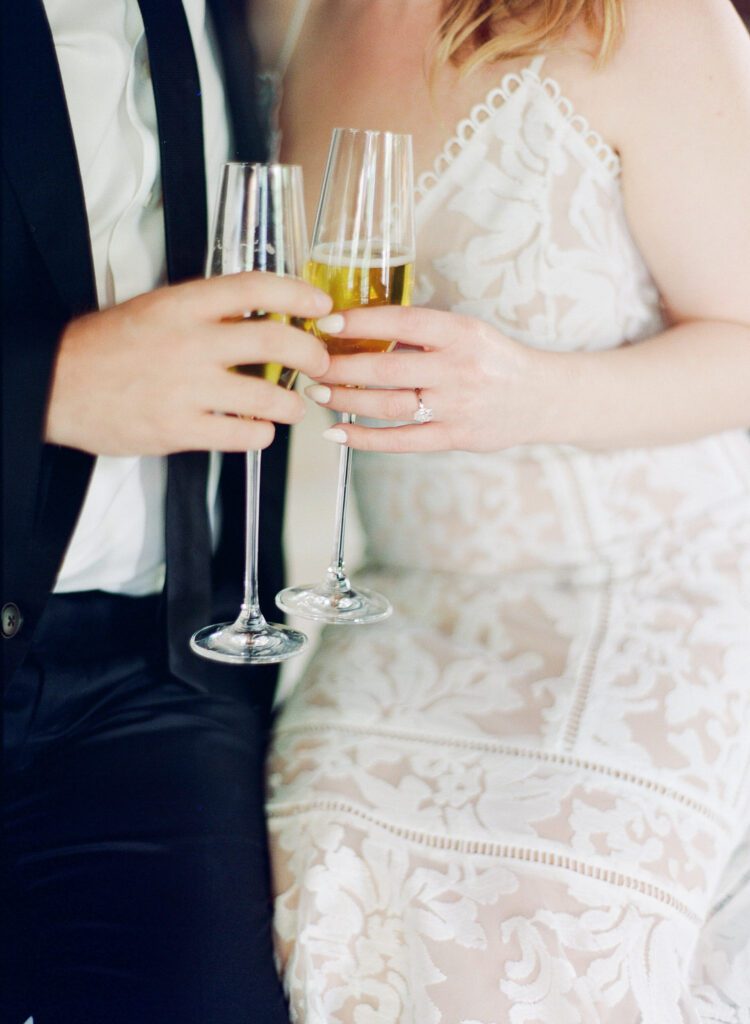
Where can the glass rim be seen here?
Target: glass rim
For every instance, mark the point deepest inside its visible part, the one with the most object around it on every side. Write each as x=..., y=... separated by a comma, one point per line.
x=259, y=163
x=373, y=131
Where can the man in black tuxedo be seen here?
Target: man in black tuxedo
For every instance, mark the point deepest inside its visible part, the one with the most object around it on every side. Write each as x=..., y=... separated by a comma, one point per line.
x=135, y=871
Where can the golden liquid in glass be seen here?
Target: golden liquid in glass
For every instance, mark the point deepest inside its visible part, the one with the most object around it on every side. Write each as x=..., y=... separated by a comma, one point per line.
x=360, y=282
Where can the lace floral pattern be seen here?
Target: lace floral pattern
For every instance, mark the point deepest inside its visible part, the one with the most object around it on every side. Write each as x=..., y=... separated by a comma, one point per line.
x=525, y=798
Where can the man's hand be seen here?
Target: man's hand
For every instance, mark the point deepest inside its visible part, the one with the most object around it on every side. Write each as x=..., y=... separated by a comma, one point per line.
x=148, y=376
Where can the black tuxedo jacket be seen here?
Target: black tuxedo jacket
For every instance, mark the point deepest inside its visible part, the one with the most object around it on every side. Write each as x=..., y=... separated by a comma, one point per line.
x=47, y=278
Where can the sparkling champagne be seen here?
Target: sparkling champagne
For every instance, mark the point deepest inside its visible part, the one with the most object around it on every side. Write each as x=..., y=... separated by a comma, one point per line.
x=367, y=279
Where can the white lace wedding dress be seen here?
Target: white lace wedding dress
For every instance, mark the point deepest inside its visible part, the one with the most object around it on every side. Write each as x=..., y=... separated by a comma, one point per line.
x=525, y=797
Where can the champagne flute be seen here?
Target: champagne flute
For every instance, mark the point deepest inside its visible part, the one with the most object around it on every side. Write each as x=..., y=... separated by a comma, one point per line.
x=362, y=254
x=259, y=225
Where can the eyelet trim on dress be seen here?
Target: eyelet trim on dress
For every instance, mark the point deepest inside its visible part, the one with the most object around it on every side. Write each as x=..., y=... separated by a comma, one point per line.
x=490, y=746
x=496, y=98
x=603, y=152
x=491, y=848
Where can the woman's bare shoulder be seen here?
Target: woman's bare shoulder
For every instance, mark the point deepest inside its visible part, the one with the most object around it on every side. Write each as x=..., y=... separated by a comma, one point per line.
x=678, y=100
x=676, y=58
x=679, y=41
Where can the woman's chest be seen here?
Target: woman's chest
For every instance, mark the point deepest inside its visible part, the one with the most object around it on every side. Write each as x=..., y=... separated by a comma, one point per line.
x=366, y=72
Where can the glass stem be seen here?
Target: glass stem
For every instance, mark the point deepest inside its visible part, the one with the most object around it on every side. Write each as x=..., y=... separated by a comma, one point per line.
x=336, y=568
x=251, y=616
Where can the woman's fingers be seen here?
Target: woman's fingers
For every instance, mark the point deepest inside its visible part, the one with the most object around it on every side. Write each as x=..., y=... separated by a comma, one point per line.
x=399, y=369
x=380, y=404
x=410, y=325
x=423, y=437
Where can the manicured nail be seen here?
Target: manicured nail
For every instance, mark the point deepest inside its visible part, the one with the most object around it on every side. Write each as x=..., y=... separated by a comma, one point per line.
x=332, y=324
x=335, y=434
x=319, y=393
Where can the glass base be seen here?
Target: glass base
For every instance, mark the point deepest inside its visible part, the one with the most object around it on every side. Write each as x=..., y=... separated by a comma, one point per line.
x=335, y=601
x=234, y=644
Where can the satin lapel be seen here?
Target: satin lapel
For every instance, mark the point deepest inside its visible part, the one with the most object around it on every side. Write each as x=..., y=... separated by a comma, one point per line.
x=39, y=153
x=238, y=59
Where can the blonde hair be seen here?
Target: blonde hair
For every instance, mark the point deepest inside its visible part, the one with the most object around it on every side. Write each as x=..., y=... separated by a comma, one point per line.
x=473, y=32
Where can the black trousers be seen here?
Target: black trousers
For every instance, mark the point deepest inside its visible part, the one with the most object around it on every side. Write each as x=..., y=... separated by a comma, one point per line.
x=135, y=862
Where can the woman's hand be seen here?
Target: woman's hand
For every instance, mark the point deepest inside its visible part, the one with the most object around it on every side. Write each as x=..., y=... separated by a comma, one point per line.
x=486, y=392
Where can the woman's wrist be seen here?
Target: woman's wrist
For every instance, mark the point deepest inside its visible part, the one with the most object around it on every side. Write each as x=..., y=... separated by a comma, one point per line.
x=558, y=389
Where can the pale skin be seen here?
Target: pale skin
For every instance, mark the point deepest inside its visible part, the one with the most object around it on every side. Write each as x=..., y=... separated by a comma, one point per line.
x=149, y=376
x=674, y=101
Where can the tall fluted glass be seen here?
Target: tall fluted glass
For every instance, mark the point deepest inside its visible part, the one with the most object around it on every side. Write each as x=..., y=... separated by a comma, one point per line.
x=362, y=253
x=259, y=225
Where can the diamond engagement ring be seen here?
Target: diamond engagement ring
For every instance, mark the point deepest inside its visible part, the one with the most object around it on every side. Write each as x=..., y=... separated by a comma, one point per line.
x=423, y=414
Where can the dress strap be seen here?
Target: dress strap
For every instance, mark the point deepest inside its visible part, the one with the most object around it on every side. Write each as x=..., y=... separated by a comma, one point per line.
x=537, y=63
x=292, y=36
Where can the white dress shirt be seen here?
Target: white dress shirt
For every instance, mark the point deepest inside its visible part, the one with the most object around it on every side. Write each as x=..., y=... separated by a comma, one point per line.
x=118, y=543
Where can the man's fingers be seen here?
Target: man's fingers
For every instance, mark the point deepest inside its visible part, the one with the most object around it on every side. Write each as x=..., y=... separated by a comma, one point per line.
x=235, y=295
x=266, y=341
x=243, y=395
x=229, y=434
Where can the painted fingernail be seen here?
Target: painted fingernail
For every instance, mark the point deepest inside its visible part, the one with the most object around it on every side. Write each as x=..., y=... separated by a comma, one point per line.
x=332, y=324
x=319, y=393
x=335, y=434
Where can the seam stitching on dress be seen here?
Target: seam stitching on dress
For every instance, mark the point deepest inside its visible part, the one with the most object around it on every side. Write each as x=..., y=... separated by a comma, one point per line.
x=548, y=757
x=585, y=673
x=483, y=847
x=587, y=668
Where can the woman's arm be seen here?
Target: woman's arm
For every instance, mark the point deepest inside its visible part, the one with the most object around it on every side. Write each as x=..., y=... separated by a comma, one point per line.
x=680, y=91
